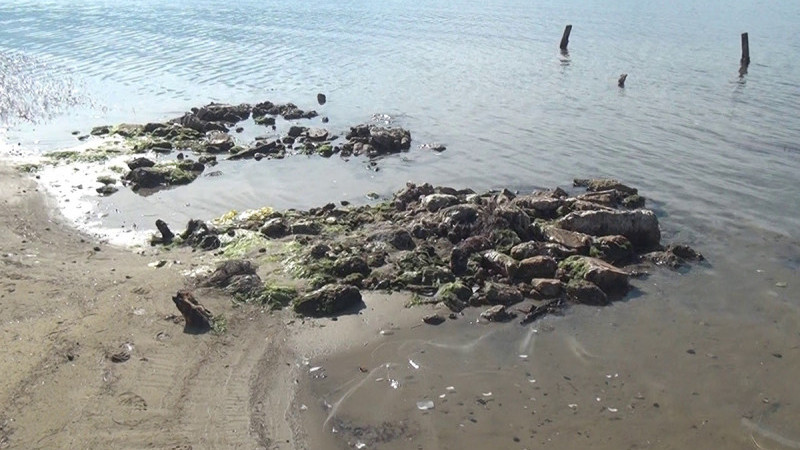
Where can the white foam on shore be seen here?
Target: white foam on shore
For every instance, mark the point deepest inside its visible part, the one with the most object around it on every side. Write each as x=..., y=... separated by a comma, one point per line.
x=72, y=187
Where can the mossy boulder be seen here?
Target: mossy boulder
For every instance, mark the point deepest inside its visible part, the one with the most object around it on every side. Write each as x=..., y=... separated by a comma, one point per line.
x=328, y=300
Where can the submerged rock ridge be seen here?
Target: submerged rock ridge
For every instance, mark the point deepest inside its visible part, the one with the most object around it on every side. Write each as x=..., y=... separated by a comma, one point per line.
x=177, y=151
x=532, y=253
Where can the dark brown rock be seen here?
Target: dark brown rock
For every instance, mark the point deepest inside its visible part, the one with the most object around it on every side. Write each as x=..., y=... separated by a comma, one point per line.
x=195, y=315
x=536, y=267
x=584, y=292
x=498, y=313
x=328, y=300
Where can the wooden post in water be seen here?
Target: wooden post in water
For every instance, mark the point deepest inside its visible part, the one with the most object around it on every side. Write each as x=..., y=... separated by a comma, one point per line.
x=621, y=81
x=565, y=38
x=745, y=61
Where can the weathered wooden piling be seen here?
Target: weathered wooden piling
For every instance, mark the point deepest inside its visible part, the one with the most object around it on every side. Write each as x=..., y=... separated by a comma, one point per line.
x=745, y=61
x=565, y=37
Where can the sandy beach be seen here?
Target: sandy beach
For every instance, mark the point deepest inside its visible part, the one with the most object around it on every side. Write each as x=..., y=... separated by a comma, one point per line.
x=69, y=305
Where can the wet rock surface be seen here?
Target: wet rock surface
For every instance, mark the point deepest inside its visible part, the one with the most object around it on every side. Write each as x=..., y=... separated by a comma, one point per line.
x=470, y=250
x=217, y=129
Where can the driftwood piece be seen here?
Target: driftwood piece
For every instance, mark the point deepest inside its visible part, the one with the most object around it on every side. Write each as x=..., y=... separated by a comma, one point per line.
x=166, y=233
x=197, y=317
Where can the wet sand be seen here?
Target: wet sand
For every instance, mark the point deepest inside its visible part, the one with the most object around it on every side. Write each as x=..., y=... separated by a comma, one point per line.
x=67, y=304
x=667, y=368
x=705, y=359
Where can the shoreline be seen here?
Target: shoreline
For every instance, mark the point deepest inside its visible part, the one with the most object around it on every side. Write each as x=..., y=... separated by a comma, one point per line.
x=70, y=304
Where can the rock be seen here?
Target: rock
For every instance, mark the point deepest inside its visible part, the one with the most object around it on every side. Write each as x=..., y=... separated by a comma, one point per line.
x=399, y=238
x=673, y=256
x=296, y=130
x=137, y=163
x=685, y=252
x=317, y=134
x=459, y=215
x=305, y=227
x=547, y=287
x=218, y=142
x=610, y=198
x=218, y=112
x=604, y=184
x=107, y=190
x=128, y=130
x=534, y=248
x=460, y=254
x=613, y=249
x=319, y=251
x=146, y=177
x=435, y=202
x=499, y=294
x=198, y=234
x=433, y=319
x=378, y=141
x=274, y=228
x=246, y=285
x=100, y=131
x=412, y=193
x=610, y=279
x=536, y=267
x=518, y=221
x=498, y=313
x=639, y=226
x=225, y=271
x=321, y=99
x=663, y=258
x=500, y=263
x=579, y=242
x=166, y=234
x=633, y=201
x=584, y=292
x=195, y=315
x=350, y=264
x=543, y=205
x=454, y=295
x=328, y=300
x=264, y=120
x=190, y=120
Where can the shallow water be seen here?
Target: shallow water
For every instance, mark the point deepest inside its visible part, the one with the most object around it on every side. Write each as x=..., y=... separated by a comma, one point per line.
x=716, y=154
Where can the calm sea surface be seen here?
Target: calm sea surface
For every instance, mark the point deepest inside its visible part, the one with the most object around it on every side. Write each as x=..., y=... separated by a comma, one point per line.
x=717, y=155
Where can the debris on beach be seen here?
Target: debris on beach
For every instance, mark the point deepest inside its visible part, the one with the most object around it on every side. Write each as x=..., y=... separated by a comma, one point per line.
x=531, y=253
x=196, y=317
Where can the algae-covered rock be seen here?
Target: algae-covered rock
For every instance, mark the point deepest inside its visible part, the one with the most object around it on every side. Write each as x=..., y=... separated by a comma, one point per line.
x=613, y=249
x=328, y=300
x=500, y=294
x=343, y=267
x=454, y=295
x=609, y=278
x=587, y=293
